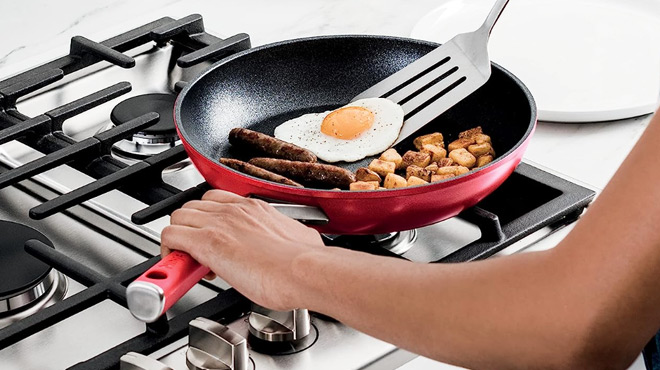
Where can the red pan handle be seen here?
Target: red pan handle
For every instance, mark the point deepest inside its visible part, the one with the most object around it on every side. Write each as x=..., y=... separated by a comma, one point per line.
x=155, y=291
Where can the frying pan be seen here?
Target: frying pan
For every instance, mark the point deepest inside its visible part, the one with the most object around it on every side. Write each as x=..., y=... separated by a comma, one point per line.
x=262, y=87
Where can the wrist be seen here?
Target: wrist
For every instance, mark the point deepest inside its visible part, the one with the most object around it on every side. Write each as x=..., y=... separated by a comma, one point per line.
x=310, y=279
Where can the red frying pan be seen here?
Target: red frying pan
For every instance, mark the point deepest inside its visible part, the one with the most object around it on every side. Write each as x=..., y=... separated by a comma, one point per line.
x=262, y=87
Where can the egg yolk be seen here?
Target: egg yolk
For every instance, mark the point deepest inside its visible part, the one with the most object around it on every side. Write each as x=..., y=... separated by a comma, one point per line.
x=347, y=123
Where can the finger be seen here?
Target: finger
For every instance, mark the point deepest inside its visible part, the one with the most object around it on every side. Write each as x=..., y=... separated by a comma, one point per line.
x=222, y=196
x=204, y=205
x=177, y=237
x=211, y=207
x=164, y=251
x=190, y=217
x=210, y=213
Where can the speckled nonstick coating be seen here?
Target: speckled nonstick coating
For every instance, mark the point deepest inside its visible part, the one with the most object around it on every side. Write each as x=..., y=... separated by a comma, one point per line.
x=262, y=87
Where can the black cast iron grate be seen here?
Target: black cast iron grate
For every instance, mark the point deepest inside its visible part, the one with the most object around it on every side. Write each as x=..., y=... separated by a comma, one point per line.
x=226, y=306
x=529, y=200
x=92, y=156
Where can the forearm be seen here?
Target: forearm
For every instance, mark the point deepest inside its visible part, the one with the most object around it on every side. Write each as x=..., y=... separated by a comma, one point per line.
x=499, y=314
x=593, y=298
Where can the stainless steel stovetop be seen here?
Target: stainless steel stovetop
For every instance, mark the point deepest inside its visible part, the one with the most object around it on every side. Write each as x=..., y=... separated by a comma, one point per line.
x=100, y=235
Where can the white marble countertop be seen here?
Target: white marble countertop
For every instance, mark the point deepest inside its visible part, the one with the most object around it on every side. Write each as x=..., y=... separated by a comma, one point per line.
x=588, y=153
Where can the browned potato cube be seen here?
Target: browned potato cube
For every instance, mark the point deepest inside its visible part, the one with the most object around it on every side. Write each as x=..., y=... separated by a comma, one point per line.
x=436, y=178
x=484, y=160
x=461, y=170
x=478, y=150
x=413, y=180
x=365, y=174
x=391, y=155
x=463, y=157
x=419, y=172
x=461, y=143
x=393, y=181
x=452, y=170
x=382, y=167
x=471, y=133
x=432, y=167
x=435, y=138
x=364, y=185
x=445, y=162
x=436, y=152
x=481, y=138
x=449, y=170
x=416, y=158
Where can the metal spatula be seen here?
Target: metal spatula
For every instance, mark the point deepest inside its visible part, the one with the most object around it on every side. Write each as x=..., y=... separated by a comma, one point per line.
x=440, y=79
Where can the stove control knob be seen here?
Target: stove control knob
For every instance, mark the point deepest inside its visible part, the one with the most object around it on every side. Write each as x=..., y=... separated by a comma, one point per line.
x=215, y=346
x=136, y=361
x=278, y=326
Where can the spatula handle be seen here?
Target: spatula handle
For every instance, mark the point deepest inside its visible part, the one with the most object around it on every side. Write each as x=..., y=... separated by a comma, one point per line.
x=494, y=15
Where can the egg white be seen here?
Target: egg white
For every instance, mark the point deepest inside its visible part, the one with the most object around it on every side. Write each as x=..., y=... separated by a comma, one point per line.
x=305, y=131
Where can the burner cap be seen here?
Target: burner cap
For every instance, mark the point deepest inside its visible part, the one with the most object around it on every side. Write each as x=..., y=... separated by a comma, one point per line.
x=134, y=107
x=19, y=271
x=397, y=243
x=284, y=348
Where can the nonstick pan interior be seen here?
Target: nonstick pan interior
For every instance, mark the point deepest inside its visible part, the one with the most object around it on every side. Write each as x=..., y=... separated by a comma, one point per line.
x=263, y=87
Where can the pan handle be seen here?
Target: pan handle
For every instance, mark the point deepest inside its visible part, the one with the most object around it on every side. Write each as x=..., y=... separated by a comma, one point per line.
x=309, y=215
x=155, y=291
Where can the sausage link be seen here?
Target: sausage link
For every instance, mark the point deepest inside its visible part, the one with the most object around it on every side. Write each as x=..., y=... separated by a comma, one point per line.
x=257, y=172
x=315, y=173
x=269, y=145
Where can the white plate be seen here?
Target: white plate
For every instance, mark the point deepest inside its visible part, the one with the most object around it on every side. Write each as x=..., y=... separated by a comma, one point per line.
x=583, y=60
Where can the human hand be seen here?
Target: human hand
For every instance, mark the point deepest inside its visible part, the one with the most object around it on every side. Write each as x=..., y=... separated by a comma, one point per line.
x=245, y=241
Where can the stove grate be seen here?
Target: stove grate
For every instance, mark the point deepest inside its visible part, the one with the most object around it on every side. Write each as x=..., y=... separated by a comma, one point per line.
x=226, y=306
x=92, y=156
x=151, y=167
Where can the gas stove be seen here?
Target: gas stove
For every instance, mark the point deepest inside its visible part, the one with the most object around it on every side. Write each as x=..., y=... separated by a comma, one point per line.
x=91, y=167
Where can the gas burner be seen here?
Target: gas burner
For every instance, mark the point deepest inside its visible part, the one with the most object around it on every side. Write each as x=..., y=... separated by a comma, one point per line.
x=284, y=348
x=26, y=284
x=152, y=140
x=398, y=242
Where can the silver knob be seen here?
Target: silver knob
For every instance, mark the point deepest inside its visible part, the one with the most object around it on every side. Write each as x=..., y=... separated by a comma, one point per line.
x=278, y=326
x=215, y=346
x=136, y=361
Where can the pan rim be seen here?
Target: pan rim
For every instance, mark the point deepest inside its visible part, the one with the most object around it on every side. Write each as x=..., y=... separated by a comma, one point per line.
x=327, y=193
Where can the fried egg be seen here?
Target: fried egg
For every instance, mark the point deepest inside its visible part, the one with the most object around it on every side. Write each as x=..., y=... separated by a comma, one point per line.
x=355, y=131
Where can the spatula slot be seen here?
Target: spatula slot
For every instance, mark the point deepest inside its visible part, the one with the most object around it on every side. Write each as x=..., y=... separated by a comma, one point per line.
x=412, y=79
x=430, y=101
x=428, y=85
